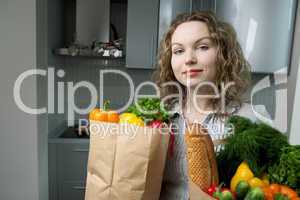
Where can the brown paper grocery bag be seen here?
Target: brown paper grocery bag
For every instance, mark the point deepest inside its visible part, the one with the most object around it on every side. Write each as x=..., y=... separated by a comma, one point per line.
x=126, y=162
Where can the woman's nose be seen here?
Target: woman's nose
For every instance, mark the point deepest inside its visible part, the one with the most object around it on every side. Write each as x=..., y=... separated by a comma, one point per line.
x=190, y=58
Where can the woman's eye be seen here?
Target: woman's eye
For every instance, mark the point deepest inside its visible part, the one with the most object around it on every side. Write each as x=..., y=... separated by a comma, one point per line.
x=204, y=48
x=179, y=51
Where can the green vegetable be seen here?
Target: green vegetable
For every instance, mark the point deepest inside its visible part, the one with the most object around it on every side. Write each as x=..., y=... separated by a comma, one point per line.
x=287, y=170
x=150, y=109
x=256, y=143
x=227, y=195
x=279, y=196
x=217, y=194
x=240, y=123
x=242, y=189
x=255, y=194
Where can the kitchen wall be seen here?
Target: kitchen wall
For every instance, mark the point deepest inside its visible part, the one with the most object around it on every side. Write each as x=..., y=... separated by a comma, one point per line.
x=23, y=138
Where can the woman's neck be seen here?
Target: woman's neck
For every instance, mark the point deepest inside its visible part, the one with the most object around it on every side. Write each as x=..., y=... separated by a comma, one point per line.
x=197, y=103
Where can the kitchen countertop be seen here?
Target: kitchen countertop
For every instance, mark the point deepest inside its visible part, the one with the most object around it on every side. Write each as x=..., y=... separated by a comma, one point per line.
x=68, y=135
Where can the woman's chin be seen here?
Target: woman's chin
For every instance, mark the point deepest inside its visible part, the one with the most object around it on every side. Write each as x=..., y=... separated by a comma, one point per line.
x=193, y=83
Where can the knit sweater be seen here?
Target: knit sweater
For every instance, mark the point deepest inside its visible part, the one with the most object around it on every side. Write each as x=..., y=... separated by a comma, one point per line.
x=175, y=177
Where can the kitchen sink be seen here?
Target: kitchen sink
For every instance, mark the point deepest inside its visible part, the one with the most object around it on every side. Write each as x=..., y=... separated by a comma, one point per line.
x=73, y=132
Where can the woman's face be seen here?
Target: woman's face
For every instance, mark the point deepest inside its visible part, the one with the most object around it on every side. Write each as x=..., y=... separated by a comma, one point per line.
x=193, y=54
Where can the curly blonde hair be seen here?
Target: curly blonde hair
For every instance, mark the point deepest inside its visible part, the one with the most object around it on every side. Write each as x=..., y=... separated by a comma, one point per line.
x=230, y=62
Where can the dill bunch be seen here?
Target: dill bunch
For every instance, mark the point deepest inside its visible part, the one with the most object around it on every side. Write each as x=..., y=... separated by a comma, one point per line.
x=257, y=143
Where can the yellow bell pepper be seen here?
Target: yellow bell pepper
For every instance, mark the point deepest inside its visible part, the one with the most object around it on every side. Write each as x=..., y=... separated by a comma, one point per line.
x=243, y=173
x=255, y=182
x=131, y=118
x=265, y=180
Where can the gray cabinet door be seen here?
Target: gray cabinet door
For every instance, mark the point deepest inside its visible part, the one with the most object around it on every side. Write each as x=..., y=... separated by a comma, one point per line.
x=180, y=7
x=72, y=191
x=142, y=30
x=67, y=170
x=200, y=5
x=264, y=29
x=72, y=161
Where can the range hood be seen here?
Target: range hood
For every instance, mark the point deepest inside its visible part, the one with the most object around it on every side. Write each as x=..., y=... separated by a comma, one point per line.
x=92, y=21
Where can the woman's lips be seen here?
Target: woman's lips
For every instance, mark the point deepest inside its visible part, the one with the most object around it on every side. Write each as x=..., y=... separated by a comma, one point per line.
x=193, y=72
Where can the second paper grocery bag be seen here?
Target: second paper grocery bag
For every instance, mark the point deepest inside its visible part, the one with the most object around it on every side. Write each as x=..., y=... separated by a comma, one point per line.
x=125, y=162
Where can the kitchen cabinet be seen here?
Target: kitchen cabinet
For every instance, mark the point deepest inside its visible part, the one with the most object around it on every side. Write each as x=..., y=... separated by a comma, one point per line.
x=142, y=32
x=198, y=5
x=264, y=29
x=68, y=160
x=179, y=6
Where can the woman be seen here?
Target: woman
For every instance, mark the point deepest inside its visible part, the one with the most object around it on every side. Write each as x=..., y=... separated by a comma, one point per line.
x=203, y=57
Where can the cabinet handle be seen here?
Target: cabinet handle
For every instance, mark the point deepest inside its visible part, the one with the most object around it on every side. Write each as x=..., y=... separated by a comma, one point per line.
x=151, y=52
x=215, y=6
x=80, y=150
x=78, y=188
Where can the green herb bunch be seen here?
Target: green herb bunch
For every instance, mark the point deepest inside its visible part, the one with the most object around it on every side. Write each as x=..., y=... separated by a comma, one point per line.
x=287, y=170
x=256, y=143
x=150, y=109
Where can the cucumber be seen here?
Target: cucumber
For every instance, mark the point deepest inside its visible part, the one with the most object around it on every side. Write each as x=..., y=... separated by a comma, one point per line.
x=242, y=189
x=255, y=194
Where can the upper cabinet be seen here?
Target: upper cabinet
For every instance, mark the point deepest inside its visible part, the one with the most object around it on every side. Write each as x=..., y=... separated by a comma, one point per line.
x=129, y=31
x=142, y=33
x=203, y=5
x=264, y=28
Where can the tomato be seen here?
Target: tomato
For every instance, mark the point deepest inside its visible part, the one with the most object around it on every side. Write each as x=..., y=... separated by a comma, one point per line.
x=283, y=190
x=275, y=188
x=290, y=193
x=213, y=188
x=295, y=198
x=268, y=193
